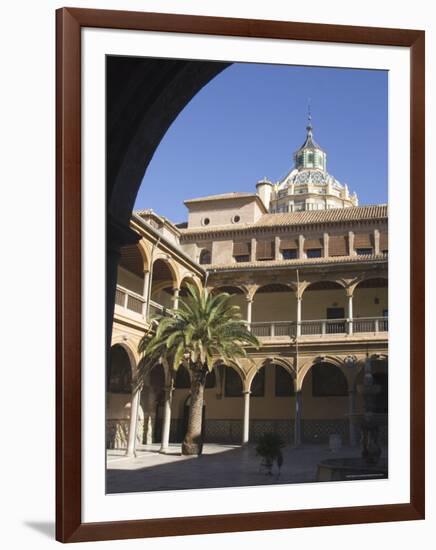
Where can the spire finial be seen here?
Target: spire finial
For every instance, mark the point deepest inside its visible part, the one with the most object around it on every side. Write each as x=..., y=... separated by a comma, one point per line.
x=309, y=116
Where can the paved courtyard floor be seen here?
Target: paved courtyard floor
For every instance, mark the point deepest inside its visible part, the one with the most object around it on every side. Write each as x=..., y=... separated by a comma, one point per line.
x=218, y=466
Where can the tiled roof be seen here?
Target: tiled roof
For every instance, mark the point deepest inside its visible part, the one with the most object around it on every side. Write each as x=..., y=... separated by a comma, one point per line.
x=307, y=217
x=354, y=213
x=236, y=195
x=298, y=262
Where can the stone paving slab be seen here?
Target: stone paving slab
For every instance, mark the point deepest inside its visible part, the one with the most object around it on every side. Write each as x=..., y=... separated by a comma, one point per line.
x=218, y=466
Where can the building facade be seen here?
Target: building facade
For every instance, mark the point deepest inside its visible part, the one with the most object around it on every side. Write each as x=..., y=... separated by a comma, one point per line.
x=308, y=268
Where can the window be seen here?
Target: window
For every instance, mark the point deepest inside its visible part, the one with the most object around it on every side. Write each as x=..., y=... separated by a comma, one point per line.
x=265, y=250
x=284, y=385
x=205, y=257
x=328, y=381
x=314, y=252
x=289, y=253
x=232, y=383
x=335, y=327
x=236, y=219
x=205, y=221
x=338, y=245
x=241, y=251
x=258, y=384
x=364, y=243
x=363, y=251
x=240, y=258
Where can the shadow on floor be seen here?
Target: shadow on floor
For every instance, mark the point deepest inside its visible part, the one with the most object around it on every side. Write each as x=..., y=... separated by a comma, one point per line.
x=46, y=528
x=232, y=467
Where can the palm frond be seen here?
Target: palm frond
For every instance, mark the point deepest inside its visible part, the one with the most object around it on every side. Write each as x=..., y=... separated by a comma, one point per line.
x=205, y=328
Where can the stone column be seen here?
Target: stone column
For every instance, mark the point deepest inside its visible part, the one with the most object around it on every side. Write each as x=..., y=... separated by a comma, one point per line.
x=277, y=248
x=148, y=400
x=376, y=241
x=298, y=416
x=326, y=244
x=351, y=412
x=253, y=250
x=166, y=420
x=351, y=243
x=176, y=298
x=246, y=422
x=301, y=254
x=299, y=300
x=350, y=311
x=145, y=291
x=133, y=423
x=249, y=310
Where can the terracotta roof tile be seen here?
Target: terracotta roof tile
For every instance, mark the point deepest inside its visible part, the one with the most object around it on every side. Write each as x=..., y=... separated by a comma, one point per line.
x=235, y=195
x=307, y=217
x=298, y=262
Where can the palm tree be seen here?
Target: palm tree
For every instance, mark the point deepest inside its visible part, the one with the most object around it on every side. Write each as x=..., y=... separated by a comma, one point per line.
x=205, y=328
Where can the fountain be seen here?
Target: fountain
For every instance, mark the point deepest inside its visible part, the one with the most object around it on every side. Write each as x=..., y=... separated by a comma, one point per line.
x=370, y=465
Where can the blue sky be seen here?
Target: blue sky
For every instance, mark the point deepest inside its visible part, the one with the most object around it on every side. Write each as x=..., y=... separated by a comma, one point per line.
x=248, y=121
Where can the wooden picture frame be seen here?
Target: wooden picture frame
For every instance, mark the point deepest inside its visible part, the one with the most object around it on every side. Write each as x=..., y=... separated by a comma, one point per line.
x=69, y=525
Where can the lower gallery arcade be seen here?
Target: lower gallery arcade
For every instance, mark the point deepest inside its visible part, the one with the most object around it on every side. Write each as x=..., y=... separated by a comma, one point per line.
x=241, y=404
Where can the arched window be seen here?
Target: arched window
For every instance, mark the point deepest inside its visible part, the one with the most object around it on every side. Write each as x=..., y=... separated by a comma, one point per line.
x=205, y=257
x=232, y=383
x=120, y=378
x=328, y=381
x=258, y=384
x=284, y=384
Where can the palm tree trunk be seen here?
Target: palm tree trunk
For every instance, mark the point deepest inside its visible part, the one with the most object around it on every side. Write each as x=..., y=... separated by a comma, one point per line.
x=193, y=443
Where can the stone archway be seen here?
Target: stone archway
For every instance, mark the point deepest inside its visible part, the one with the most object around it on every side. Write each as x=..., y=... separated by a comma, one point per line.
x=131, y=282
x=162, y=286
x=274, y=310
x=324, y=308
x=121, y=367
x=144, y=97
x=370, y=305
x=325, y=403
x=271, y=394
x=224, y=404
x=380, y=372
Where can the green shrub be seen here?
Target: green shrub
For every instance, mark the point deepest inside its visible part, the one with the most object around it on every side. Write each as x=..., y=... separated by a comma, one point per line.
x=269, y=447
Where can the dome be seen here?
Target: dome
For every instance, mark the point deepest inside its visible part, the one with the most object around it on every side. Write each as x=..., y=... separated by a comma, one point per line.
x=308, y=185
x=310, y=154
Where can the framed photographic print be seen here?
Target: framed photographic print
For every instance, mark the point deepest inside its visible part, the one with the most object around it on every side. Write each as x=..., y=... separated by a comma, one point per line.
x=240, y=259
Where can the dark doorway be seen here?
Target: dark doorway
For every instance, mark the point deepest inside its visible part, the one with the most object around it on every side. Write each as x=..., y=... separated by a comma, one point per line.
x=335, y=313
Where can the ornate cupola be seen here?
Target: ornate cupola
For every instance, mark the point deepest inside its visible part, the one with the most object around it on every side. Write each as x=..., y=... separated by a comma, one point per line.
x=310, y=155
x=308, y=185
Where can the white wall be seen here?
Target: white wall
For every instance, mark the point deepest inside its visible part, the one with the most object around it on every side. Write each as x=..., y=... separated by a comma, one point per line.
x=27, y=216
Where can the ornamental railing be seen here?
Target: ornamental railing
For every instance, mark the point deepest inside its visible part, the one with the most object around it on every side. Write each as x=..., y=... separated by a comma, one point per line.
x=129, y=300
x=320, y=327
x=135, y=303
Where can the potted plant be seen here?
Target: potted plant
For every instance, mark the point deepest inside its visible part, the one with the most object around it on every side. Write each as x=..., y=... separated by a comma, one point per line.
x=269, y=447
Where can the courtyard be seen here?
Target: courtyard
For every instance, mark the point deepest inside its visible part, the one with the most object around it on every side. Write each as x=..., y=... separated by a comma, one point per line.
x=218, y=466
